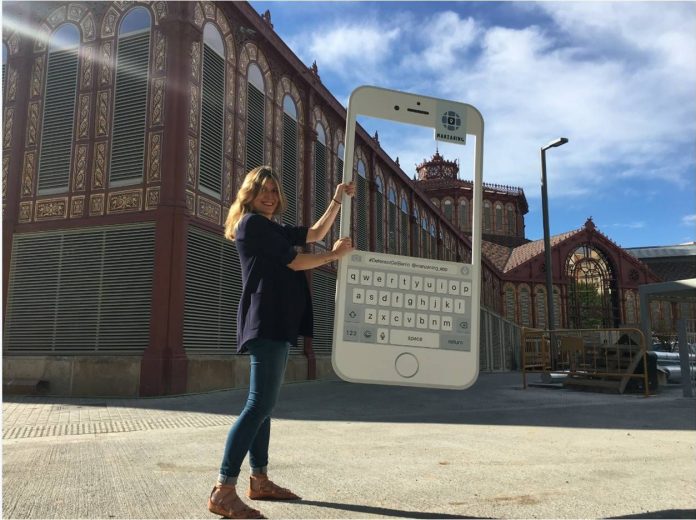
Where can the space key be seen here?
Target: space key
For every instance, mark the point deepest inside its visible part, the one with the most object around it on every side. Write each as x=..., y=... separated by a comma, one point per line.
x=408, y=338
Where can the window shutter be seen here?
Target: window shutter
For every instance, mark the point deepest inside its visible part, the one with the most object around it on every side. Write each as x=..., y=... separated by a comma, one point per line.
x=379, y=222
x=404, y=234
x=362, y=214
x=213, y=289
x=323, y=292
x=81, y=291
x=212, y=121
x=58, y=117
x=339, y=179
x=255, y=127
x=130, y=109
x=321, y=181
x=391, y=227
x=289, y=173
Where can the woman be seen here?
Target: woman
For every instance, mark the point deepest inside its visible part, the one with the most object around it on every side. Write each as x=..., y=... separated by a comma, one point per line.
x=275, y=307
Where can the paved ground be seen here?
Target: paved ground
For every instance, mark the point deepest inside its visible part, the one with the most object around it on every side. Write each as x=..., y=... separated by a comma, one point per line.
x=362, y=451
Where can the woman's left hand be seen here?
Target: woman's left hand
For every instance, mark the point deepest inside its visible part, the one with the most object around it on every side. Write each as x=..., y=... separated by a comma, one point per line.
x=344, y=189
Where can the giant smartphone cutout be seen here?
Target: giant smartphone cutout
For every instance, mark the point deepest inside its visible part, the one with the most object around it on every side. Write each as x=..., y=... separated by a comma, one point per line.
x=404, y=320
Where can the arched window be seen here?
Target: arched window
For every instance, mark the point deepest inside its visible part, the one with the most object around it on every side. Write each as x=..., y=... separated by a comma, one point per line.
x=464, y=214
x=321, y=173
x=212, y=122
x=130, y=98
x=630, y=306
x=511, y=220
x=487, y=217
x=340, y=154
x=510, y=313
x=416, y=232
x=404, y=231
x=59, y=110
x=498, y=218
x=425, y=242
x=433, y=240
x=391, y=221
x=290, y=156
x=256, y=107
x=592, y=298
x=525, y=306
x=361, y=217
x=540, y=307
x=379, y=214
x=4, y=69
x=448, y=210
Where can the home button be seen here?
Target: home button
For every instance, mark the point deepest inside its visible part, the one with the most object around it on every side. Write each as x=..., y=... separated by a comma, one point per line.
x=406, y=365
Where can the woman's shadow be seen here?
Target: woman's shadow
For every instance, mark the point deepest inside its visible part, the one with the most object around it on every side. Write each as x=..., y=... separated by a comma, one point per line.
x=379, y=510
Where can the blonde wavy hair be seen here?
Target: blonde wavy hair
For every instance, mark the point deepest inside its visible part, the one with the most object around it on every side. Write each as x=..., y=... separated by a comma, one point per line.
x=251, y=187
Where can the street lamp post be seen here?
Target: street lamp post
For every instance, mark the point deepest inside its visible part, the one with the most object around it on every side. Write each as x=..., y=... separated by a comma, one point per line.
x=547, y=247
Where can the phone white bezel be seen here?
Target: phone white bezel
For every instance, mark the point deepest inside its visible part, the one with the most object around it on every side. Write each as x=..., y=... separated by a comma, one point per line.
x=377, y=367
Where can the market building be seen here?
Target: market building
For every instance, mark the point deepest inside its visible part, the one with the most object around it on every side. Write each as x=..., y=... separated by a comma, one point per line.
x=127, y=128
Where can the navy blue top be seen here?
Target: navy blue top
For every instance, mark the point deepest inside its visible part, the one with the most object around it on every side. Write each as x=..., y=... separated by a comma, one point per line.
x=275, y=303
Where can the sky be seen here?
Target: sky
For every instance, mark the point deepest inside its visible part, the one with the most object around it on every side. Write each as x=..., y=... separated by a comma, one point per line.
x=618, y=79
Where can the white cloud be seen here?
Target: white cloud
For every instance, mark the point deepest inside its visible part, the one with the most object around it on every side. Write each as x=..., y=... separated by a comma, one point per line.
x=616, y=111
x=630, y=225
x=353, y=50
x=689, y=220
x=444, y=36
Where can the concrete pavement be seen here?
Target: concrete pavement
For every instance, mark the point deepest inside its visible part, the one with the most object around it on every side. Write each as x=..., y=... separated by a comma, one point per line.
x=361, y=451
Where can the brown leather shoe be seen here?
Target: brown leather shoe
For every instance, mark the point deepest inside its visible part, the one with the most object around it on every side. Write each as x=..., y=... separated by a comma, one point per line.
x=225, y=502
x=260, y=488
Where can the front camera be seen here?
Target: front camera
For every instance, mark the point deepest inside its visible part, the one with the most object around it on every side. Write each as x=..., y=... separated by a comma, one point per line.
x=396, y=107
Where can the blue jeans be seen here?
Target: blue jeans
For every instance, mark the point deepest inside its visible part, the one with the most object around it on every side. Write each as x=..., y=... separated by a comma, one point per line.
x=251, y=431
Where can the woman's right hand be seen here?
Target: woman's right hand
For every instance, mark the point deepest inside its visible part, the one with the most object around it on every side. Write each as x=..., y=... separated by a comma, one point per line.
x=342, y=247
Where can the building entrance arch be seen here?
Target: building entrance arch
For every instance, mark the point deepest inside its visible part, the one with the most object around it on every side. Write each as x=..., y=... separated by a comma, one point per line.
x=593, y=299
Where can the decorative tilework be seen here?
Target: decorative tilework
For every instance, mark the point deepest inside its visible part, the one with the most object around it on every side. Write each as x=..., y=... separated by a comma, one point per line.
x=37, y=76
x=157, y=115
x=196, y=61
x=80, y=167
x=99, y=169
x=105, y=63
x=125, y=201
x=160, y=9
x=152, y=197
x=190, y=200
x=77, y=206
x=88, y=29
x=160, y=51
x=11, y=93
x=209, y=210
x=57, y=16
x=8, y=122
x=5, y=172
x=25, y=209
x=87, y=56
x=33, y=123
x=109, y=23
x=83, y=116
x=96, y=204
x=191, y=162
x=102, y=113
x=51, y=209
x=154, y=163
x=28, y=174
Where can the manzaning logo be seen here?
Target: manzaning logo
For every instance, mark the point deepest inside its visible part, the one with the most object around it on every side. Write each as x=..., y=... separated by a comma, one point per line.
x=451, y=120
